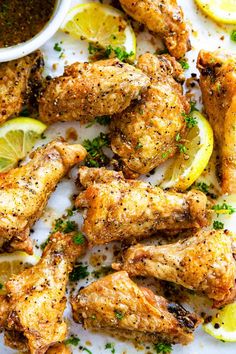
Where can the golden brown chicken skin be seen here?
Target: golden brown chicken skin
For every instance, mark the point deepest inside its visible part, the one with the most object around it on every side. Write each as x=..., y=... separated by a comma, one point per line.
x=163, y=17
x=203, y=263
x=87, y=90
x=116, y=305
x=17, y=79
x=144, y=135
x=118, y=209
x=24, y=191
x=218, y=86
x=59, y=348
x=36, y=298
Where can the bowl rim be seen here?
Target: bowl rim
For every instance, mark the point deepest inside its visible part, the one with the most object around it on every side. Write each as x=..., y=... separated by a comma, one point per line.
x=20, y=50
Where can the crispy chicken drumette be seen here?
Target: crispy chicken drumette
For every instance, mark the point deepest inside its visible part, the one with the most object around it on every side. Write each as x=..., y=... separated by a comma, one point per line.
x=203, y=263
x=118, y=209
x=163, y=17
x=144, y=135
x=17, y=80
x=24, y=191
x=116, y=305
x=88, y=90
x=35, y=301
x=218, y=85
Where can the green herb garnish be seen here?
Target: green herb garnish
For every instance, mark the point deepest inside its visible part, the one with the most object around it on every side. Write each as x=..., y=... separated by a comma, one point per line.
x=218, y=225
x=178, y=137
x=72, y=340
x=79, y=238
x=190, y=120
x=224, y=209
x=163, y=348
x=119, y=315
x=65, y=226
x=184, y=64
x=103, y=120
x=233, y=36
x=79, y=272
x=96, y=157
x=120, y=53
x=103, y=271
x=110, y=346
x=138, y=146
x=182, y=148
x=57, y=47
x=1, y=286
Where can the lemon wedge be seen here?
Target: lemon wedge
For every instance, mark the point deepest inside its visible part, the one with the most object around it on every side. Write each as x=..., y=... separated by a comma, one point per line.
x=14, y=263
x=101, y=25
x=219, y=10
x=223, y=325
x=17, y=137
x=189, y=164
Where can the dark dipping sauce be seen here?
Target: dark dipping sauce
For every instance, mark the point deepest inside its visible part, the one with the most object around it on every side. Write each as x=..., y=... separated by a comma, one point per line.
x=21, y=20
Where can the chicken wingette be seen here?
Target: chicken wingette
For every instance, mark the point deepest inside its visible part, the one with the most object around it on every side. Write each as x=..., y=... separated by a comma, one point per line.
x=218, y=86
x=203, y=263
x=118, y=209
x=163, y=17
x=17, y=78
x=116, y=305
x=88, y=90
x=144, y=135
x=36, y=298
x=24, y=191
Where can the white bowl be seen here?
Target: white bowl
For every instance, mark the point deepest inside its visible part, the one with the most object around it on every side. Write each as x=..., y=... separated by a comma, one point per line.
x=22, y=49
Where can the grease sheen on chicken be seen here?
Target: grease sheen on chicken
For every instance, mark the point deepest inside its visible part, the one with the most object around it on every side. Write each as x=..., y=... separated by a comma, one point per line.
x=24, y=191
x=144, y=135
x=163, y=17
x=116, y=305
x=35, y=302
x=218, y=86
x=88, y=90
x=118, y=209
x=204, y=263
x=17, y=78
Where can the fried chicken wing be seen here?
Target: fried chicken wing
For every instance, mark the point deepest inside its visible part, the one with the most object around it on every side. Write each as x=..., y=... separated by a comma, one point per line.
x=163, y=17
x=36, y=297
x=17, y=78
x=218, y=85
x=59, y=349
x=144, y=135
x=87, y=90
x=24, y=191
x=203, y=263
x=118, y=209
x=115, y=304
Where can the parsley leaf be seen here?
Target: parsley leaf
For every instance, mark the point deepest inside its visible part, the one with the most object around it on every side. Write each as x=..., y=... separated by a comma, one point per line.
x=72, y=340
x=162, y=348
x=193, y=106
x=79, y=272
x=120, y=53
x=119, y=315
x=93, y=49
x=138, y=146
x=218, y=225
x=233, y=36
x=79, y=238
x=65, y=226
x=182, y=148
x=102, y=120
x=57, y=47
x=96, y=157
x=190, y=120
x=224, y=209
x=110, y=346
x=184, y=64
x=1, y=286
x=202, y=186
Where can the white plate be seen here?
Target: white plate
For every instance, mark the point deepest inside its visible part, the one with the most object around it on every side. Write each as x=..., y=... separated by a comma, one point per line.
x=205, y=35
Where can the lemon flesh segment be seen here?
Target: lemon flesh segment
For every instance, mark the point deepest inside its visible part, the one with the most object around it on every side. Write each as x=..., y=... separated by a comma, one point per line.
x=14, y=263
x=219, y=10
x=100, y=24
x=17, y=138
x=223, y=326
x=187, y=168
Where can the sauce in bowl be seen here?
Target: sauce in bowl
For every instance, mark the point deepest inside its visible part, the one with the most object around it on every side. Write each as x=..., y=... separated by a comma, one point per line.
x=22, y=20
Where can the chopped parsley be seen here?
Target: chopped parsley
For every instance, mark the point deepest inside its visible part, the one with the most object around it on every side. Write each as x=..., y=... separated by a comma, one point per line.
x=193, y=106
x=110, y=346
x=119, y=315
x=218, y=225
x=72, y=340
x=79, y=238
x=138, y=146
x=164, y=155
x=103, y=120
x=103, y=271
x=182, y=148
x=233, y=36
x=1, y=286
x=203, y=187
x=224, y=209
x=86, y=350
x=93, y=49
x=57, y=47
x=178, y=137
x=65, y=226
x=162, y=348
x=96, y=157
x=190, y=120
x=118, y=52
x=184, y=64
x=44, y=244
x=79, y=272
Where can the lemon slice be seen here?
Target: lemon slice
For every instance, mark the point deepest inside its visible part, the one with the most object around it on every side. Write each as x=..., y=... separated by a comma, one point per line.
x=188, y=166
x=17, y=137
x=223, y=325
x=102, y=25
x=14, y=263
x=219, y=10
